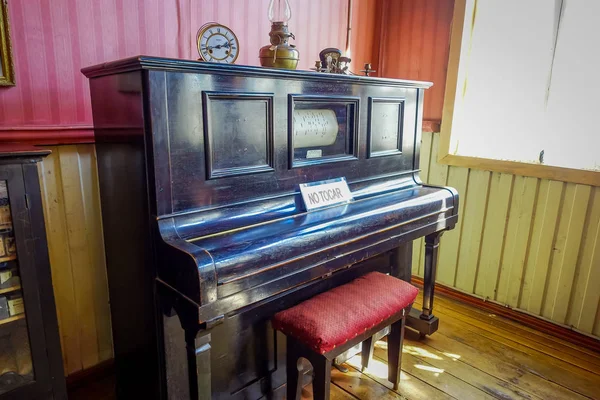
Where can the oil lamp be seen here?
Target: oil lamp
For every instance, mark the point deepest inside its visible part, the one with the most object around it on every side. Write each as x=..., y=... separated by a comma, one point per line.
x=279, y=54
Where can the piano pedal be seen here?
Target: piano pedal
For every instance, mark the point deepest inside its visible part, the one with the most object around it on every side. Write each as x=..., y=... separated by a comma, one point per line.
x=340, y=368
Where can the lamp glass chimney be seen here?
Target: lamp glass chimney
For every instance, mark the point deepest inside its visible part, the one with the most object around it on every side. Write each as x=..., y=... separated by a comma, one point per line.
x=280, y=11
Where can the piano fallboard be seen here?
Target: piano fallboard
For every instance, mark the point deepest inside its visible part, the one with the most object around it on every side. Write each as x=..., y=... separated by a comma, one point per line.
x=310, y=244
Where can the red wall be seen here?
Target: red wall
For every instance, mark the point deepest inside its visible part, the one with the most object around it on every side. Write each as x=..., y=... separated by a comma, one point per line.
x=53, y=39
x=407, y=39
x=415, y=44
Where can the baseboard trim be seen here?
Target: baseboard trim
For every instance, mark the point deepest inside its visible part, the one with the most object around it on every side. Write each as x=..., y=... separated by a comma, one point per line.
x=91, y=374
x=541, y=325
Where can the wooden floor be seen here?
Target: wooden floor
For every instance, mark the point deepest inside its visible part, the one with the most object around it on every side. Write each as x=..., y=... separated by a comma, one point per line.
x=474, y=355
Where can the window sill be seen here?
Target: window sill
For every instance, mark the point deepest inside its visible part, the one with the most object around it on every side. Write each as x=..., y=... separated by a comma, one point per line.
x=580, y=176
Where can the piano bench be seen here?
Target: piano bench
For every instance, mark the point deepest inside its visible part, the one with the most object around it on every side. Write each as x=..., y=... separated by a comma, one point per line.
x=323, y=327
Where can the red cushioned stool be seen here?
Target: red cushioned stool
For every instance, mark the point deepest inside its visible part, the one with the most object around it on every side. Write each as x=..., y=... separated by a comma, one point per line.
x=325, y=326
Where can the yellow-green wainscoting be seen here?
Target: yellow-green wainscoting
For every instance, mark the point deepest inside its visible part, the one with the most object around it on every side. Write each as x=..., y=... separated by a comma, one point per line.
x=528, y=243
x=69, y=181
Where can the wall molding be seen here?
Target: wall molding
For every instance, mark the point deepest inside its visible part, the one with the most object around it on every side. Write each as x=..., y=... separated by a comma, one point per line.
x=551, y=328
x=48, y=134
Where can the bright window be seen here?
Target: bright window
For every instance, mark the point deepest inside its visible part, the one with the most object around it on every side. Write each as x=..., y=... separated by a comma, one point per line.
x=529, y=82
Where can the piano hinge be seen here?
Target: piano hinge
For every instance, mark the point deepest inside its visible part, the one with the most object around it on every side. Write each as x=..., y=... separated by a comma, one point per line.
x=327, y=275
x=215, y=321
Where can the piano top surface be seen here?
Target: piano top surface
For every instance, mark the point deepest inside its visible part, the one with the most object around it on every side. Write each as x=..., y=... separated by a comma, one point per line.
x=148, y=62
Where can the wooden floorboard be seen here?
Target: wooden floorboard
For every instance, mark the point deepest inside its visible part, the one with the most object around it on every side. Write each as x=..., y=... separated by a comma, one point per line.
x=474, y=355
x=517, y=328
x=552, y=368
x=554, y=348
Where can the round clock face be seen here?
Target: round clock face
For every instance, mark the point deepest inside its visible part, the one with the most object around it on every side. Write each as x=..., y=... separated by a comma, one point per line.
x=218, y=43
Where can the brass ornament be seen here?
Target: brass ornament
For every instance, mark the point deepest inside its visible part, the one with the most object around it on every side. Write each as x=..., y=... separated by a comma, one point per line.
x=280, y=53
x=331, y=61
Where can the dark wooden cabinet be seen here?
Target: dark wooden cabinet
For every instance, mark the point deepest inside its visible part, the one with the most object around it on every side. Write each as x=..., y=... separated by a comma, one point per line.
x=30, y=354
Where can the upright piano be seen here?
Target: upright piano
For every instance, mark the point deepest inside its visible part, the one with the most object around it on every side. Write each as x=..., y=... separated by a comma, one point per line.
x=206, y=232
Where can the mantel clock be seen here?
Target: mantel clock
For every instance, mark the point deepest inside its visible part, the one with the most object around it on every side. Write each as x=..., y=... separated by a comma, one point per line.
x=217, y=43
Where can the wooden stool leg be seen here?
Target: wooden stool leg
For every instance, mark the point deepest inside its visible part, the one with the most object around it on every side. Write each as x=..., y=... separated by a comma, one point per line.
x=294, y=375
x=322, y=380
x=395, y=340
x=367, y=352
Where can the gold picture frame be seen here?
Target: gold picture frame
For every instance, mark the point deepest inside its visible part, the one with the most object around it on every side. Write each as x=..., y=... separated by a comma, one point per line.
x=7, y=69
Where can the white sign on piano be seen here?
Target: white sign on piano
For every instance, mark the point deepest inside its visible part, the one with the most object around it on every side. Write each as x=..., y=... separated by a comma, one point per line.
x=325, y=193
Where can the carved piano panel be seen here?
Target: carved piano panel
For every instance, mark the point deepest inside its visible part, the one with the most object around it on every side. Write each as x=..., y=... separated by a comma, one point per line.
x=206, y=231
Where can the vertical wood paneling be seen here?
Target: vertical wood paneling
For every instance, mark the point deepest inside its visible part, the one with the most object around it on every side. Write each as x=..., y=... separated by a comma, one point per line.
x=60, y=261
x=528, y=243
x=540, y=250
x=438, y=173
x=566, y=256
x=458, y=178
x=473, y=224
x=517, y=240
x=79, y=253
x=73, y=225
x=94, y=245
x=586, y=291
x=492, y=242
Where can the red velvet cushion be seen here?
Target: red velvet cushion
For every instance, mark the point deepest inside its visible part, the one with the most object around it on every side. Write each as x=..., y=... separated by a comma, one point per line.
x=340, y=314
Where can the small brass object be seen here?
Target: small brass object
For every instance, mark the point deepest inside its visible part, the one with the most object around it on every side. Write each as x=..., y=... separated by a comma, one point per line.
x=280, y=54
x=333, y=62
x=368, y=70
x=318, y=67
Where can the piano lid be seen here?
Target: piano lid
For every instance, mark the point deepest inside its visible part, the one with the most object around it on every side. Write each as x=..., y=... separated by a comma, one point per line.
x=322, y=241
x=286, y=245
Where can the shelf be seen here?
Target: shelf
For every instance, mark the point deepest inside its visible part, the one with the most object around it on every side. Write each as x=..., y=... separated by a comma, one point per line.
x=12, y=319
x=8, y=258
x=10, y=289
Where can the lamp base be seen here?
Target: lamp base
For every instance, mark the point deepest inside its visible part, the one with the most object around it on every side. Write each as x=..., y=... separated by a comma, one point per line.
x=283, y=56
x=280, y=54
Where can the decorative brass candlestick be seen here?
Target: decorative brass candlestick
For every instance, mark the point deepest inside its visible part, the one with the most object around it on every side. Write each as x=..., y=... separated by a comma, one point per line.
x=279, y=54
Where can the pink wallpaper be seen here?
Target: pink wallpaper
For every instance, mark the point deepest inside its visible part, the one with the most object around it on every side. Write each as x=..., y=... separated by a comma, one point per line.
x=53, y=39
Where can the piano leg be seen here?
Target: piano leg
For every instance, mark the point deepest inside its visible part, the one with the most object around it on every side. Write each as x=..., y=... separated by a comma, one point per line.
x=432, y=244
x=198, y=354
x=425, y=322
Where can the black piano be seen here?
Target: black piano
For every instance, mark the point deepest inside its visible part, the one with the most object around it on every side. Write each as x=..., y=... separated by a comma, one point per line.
x=207, y=234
